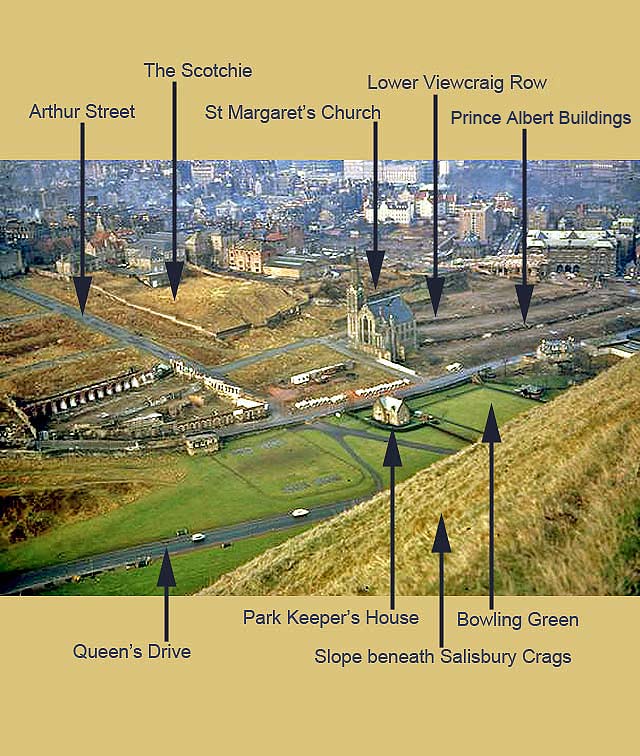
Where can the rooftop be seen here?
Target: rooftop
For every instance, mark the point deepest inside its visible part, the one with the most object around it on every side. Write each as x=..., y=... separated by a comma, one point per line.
x=391, y=307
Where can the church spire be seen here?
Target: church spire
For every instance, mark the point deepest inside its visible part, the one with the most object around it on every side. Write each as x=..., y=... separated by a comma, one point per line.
x=356, y=280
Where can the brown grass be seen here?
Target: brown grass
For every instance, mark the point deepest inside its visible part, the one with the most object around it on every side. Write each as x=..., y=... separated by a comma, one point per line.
x=12, y=306
x=92, y=367
x=214, y=302
x=49, y=337
x=567, y=494
x=211, y=302
x=266, y=373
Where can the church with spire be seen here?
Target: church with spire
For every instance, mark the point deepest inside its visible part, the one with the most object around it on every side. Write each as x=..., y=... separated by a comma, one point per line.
x=384, y=326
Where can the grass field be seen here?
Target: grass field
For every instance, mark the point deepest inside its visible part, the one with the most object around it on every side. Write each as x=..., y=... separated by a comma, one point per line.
x=469, y=405
x=567, y=493
x=252, y=477
x=373, y=453
x=104, y=503
x=193, y=571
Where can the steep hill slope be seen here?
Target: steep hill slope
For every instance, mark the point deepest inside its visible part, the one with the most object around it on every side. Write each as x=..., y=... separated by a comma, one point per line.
x=567, y=512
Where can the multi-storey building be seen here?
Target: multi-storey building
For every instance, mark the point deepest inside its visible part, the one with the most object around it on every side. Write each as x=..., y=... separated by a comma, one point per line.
x=391, y=211
x=248, y=255
x=389, y=171
x=476, y=219
x=592, y=253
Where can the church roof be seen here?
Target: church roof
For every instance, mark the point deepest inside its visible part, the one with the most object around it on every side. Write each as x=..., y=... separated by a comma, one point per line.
x=395, y=307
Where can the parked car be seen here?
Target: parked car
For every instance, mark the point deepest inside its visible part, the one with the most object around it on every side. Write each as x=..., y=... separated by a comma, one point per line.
x=198, y=537
x=300, y=513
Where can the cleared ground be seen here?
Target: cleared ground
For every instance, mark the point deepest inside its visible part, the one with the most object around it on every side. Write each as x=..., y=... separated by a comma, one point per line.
x=214, y=303
x=489, y=309
x=274, y=373
x=12, y=306
x=40, y=381
x=45, y=338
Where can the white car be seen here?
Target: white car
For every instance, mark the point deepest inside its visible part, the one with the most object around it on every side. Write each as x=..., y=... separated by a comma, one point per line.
x=198, y=537
x=300, y=513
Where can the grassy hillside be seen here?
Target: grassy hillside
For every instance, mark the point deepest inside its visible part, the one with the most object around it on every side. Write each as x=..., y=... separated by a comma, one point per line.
x=567, y=512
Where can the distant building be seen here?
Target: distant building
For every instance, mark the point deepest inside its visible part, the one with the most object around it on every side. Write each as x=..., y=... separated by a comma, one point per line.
x=469, y=247
x=10, y=262
x=390, y=171
x=391, y=211
x=385, y=327
x=202, y=172
x=290, y=266
x=539, y=217
x=476, y=219
x=248, y=255
x=221, y=241
x=202, y=442
x=69, y=264
x=592, y=253
x=199, y=249
x=146, y=257
x=154, y=248
x=391, y=411
x=228, y=209
x=556, y=350
x=423, y=204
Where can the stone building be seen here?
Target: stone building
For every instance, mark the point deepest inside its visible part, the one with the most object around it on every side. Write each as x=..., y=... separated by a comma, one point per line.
x=10, y=262
x=592, y=253
x=391, y=411
x=384, y=327
x=249, y=255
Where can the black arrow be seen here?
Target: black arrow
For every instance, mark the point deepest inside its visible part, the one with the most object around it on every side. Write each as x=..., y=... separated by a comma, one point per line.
x=491, y=436
x=435, y=283
x=524, y=290
x=166, y=580
x=375, y=256
x=392, y=460
x=174, y=267
x=82, y=282
x=441, y=546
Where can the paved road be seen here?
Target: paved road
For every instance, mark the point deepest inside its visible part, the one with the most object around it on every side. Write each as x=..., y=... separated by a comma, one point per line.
x=336, y=432
x=420, y=386
x=278, y=420
x=11, y=583
x=37, y=578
